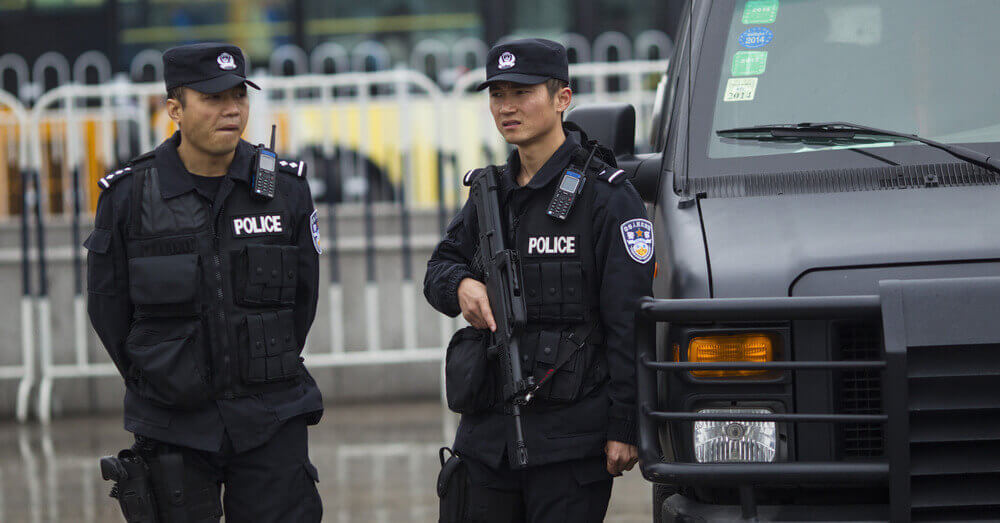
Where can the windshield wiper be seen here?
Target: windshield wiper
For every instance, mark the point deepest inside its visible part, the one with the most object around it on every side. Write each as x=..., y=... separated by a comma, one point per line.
x=850, y=133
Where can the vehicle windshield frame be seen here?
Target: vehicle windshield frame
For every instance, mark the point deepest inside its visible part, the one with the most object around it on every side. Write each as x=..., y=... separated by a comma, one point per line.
x=703, y=105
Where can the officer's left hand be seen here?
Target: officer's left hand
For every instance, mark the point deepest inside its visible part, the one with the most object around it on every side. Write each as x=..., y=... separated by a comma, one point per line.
x=621, y=457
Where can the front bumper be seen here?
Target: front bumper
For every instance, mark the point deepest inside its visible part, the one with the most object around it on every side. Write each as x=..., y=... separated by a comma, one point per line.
x=678, y=508
x=941, y=386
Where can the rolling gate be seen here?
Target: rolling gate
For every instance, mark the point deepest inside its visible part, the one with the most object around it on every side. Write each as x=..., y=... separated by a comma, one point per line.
x=75, y=132
x=940, y=382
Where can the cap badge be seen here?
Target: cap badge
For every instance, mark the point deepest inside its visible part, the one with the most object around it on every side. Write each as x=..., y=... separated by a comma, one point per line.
x=226, y=62
x=506, y=60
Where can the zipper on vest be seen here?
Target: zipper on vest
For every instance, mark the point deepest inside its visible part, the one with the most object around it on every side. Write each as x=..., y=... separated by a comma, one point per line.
x=217, y=263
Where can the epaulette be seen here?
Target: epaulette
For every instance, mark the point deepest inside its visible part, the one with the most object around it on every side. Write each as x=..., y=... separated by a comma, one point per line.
x=293, y=167
x=471, y=175
x=109, y=179
x=601, y=170
x=609, y=174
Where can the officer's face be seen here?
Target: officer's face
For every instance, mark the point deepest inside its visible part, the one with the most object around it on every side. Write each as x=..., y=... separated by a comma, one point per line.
x=523, y=113
x=212, y=123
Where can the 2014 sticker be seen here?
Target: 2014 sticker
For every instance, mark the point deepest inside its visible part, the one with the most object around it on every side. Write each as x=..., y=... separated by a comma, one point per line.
x=756, y=37
x=740, y=89
x=749, y=63
x=760, y=12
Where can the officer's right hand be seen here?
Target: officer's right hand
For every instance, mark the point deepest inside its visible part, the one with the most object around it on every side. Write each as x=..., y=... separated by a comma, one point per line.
x=475, y=304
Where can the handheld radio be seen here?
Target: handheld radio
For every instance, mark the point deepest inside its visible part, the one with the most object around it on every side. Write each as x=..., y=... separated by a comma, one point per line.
x=562, y=200
x=263, y=176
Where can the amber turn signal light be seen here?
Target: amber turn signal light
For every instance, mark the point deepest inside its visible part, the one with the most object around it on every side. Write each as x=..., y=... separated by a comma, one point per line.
x=752, y=347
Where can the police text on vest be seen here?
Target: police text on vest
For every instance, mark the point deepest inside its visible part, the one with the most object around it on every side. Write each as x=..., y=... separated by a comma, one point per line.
x=552, y=245
x=257, y=225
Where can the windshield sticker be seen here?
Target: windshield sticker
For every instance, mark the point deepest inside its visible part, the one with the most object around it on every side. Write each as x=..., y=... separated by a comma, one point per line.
x=749, y=63
x=760, y=12
x=756, y=37
x=740, y=89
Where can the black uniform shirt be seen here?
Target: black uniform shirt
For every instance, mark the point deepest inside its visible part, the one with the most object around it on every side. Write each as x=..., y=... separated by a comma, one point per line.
x=622, y=280
x=249, y=421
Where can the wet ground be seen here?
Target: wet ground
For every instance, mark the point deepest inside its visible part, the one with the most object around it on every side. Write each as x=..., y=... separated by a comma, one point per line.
x=377, y=464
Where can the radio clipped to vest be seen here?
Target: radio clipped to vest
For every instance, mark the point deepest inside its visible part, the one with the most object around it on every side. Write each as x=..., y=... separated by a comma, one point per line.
x=569, y=187
x=264, y=174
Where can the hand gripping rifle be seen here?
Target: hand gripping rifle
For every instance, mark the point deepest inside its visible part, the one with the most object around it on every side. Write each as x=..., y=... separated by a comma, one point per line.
x=502, y=272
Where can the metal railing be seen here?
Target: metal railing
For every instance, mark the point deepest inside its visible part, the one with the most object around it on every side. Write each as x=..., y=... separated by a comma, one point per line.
x=433, y=138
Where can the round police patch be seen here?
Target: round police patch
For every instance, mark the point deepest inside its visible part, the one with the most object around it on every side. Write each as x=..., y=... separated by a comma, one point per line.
x=226, y=62
x=638, y=237
x=314, y=229
x=506, y=61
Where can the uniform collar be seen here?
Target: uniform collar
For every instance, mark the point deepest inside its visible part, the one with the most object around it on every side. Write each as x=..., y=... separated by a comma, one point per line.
x=553, y=167
x=175, y=179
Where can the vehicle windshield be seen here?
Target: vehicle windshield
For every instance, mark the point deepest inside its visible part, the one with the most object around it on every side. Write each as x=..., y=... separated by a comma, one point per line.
x=927, y=67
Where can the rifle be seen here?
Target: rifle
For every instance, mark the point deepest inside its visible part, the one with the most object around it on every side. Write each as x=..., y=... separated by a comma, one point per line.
x=502, y=271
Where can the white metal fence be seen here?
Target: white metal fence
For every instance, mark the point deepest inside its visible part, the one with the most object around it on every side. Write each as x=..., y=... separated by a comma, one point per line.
x=390, y=143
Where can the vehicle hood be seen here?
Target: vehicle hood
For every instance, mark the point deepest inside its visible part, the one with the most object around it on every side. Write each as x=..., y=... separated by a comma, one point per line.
x=759, y=246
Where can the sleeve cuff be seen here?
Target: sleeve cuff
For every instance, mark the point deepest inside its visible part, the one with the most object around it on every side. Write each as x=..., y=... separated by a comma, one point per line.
x=623, y=430
x=451, y=291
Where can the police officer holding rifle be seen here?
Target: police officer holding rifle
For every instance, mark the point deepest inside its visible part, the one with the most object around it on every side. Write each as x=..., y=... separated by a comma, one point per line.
x=202, y=284
x=545, y=261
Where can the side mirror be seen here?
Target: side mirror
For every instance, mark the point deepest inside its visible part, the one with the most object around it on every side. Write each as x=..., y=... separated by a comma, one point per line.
x=612, y=125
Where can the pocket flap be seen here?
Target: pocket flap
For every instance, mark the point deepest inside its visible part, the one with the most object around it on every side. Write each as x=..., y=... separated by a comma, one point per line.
x=99, y=241
x=263, y=264
x=156, y=280
x=548, y=348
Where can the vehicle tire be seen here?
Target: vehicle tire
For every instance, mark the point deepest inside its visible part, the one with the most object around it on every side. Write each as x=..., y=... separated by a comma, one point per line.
x=660, y=493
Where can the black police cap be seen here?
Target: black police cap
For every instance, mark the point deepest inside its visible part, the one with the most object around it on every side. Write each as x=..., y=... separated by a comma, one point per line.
x=207, y=68
x=529, y=61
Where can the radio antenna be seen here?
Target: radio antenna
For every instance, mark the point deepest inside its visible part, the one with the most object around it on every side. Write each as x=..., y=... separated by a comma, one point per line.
x=273, y=128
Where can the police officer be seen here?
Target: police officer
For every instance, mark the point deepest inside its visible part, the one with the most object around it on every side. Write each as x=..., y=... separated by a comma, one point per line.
x=582, y=274
x=202, y=292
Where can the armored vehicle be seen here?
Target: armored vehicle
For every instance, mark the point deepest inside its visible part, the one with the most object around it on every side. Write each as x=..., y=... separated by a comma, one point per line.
x=824, y=340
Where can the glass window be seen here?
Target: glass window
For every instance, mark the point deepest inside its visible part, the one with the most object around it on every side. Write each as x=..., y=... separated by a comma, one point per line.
x=916, y=66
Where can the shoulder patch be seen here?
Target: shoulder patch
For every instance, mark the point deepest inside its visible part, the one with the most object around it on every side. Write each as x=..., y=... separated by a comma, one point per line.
x=293, y=167
x=637, y=234
x=314, y=229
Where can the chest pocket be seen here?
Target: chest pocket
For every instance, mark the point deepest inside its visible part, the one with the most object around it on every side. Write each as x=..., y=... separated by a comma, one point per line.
x=554, y=291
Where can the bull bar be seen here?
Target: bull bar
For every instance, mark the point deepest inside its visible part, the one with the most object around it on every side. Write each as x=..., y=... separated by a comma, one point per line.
x=651, y=311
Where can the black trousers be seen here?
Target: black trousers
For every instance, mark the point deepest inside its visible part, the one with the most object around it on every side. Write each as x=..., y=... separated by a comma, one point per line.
x=273, y=483
x=577, y=491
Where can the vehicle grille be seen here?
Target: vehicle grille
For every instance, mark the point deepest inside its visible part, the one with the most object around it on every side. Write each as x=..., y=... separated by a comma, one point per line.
x=954, y=415
x=859, y=392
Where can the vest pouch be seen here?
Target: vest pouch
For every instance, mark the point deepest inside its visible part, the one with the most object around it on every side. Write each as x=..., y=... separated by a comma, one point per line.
x=167, y=358
x=164, y=286
x=470, y=384
x=554, y=291
x=565, y=385
x=271, y=352
x=266, y=275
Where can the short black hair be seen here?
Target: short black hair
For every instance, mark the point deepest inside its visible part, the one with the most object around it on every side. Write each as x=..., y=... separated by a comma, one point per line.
x=177, y=93
x=554, y=85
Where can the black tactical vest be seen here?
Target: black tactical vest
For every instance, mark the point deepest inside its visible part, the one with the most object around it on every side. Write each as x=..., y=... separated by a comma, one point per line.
x=562, y=289
x=213, y=293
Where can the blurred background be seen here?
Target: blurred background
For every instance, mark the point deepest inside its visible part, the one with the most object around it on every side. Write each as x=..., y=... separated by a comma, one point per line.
x=376, y=97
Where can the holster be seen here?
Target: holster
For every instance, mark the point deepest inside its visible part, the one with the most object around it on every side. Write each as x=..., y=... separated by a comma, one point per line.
x=149, y=482
x=452, y=488
x=133, y=486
